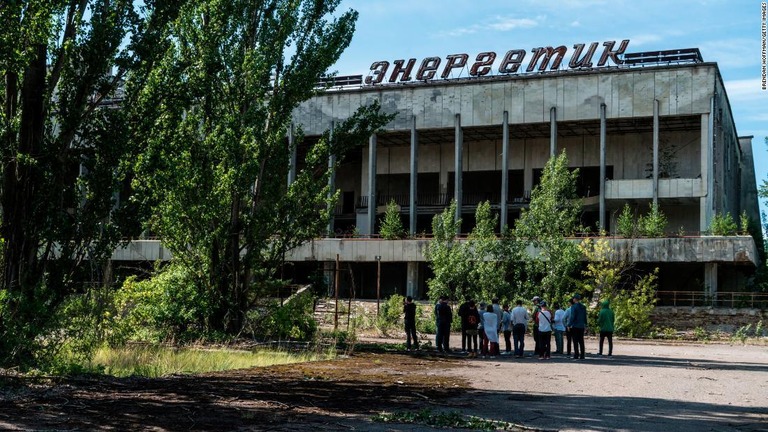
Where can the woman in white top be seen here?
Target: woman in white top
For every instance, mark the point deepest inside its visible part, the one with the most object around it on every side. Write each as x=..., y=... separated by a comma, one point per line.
x=544, y=319
x=491, y=323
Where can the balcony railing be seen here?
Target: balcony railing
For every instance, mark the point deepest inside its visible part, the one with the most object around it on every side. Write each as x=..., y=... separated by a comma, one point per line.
x=719, y=299
x=441, y=200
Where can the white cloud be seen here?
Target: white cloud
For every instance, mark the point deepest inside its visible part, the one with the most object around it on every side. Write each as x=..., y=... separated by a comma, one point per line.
x=731, y=53
x=497, y=23
x=575, y=24
x=740, y=91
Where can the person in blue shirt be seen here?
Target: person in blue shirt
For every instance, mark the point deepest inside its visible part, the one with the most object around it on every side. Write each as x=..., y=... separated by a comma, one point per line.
x=577, y=325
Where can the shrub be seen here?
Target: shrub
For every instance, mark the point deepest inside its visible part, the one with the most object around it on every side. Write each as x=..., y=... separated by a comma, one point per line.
x=166, y=307
x=294, y=320
x=391, y=312
x=722, y=225
x=654, y=223
x=392, y=225
x=633, y=308
x=625, y=224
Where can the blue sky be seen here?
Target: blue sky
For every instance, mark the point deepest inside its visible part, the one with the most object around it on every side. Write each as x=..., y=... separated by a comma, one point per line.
x=726, y=32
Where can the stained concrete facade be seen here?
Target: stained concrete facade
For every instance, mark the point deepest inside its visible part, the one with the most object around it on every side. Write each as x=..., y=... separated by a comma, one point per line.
x=639, y=135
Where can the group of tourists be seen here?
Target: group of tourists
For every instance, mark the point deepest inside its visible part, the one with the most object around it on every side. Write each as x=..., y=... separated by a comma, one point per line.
x=483, y=325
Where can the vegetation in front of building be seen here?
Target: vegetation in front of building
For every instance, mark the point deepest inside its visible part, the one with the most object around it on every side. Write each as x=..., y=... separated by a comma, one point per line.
x=392, y=225
x=443, y=419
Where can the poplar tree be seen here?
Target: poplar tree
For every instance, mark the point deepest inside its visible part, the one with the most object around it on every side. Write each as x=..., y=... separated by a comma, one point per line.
x=216, y=158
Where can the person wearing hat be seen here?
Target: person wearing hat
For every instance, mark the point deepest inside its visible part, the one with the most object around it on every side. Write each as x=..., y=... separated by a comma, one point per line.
x=577, y=323
x=536, y=308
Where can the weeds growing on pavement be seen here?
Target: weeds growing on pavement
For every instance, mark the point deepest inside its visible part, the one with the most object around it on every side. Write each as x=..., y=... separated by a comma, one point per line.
x=443, y=419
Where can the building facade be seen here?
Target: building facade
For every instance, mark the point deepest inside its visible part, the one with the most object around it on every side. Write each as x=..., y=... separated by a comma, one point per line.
x=655, y=128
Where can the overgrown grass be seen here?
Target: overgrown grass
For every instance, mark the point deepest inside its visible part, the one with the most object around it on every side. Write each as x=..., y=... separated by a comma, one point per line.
x=157, y=361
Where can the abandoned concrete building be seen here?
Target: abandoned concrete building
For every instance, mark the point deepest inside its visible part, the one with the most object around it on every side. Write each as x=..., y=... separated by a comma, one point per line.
x=656, y=128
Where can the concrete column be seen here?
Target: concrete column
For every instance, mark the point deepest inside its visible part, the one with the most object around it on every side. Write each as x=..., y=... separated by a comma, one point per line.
x=552, y=132
x=292, y=149
x=710, y=280
x=412, y=288
x=655, y=151
x=459, y=147
x=504, y=170
x=706, y=202
x=372, y=185
x=710, y=188
x=602, y=166
x=331, y=186
x=414, y=175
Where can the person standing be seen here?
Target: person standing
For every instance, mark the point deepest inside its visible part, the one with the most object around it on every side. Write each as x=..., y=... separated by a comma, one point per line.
x=491, y=324
x=545, y=330
x=566, y=323
x=471, y=322
x=520, y=320
x=537, y=347
x=463, y=310
x=506, y=327
x=606, y=320
x=559, y=328
x=481, y=331
x=409, y=312
x=444, y=319
x=578, y=323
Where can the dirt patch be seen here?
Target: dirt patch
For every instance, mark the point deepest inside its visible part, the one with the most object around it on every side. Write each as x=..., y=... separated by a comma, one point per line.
x=330, y=395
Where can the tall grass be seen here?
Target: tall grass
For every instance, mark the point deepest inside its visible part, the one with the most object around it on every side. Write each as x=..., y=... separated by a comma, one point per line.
x=157, y=361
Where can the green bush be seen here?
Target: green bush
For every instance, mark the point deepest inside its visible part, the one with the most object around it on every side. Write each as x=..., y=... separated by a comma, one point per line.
x=625, y=224
x=391, y=312
x=166, y=307
x=654, y=223
x=392, y=225
x=292, y=321
x=633, y=308
x=722, y=225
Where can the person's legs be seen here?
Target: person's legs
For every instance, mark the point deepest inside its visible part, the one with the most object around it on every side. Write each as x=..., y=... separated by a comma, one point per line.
x=559, y=341
x=602, y=338
x=507, y=341
x=580, y=341
x=610, y=343
x=408, y=336
x=446, y=338
x=578, y=345
x=546, y=344
x=483, y=343
x=570, y=340
x=537, y=343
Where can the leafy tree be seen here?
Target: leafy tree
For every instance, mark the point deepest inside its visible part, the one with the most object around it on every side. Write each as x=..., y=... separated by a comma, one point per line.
x=552, y=215
x=392, y=226
x=63, y=150
x=654, y=223
x=625, y=224
x=487, y=274
x=447, y=257
x=215, y=163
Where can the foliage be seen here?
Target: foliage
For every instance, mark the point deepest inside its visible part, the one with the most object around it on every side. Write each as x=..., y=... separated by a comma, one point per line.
x=603, y=270
x=294, y=320
x=164, y=308
x=447, y=256
x=744, y=223
x=439, y=419
x=747, y=331
x=392, y=225
x=633, y=308
x=153, y=361
x=64, y=152
x=215, y=158
x=654, y=223
x=722, y=225
x=625, y=224
x=552, y=215
x=487, y=274
x=391, y=312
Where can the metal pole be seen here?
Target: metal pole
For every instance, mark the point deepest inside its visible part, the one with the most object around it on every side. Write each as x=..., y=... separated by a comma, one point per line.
x=378, y=283
x=336, y=283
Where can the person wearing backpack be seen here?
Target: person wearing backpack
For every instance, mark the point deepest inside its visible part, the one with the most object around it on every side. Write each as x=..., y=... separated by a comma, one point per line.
x=470, y=321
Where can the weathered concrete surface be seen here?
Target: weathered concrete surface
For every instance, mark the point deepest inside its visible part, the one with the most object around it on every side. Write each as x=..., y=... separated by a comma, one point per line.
x=736, y=250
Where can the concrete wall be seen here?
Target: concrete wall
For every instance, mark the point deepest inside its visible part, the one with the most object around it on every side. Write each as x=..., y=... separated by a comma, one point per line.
x=681, y=90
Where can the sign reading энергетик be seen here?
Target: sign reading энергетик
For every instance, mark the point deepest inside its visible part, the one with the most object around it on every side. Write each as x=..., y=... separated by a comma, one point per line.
x=510, y=63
